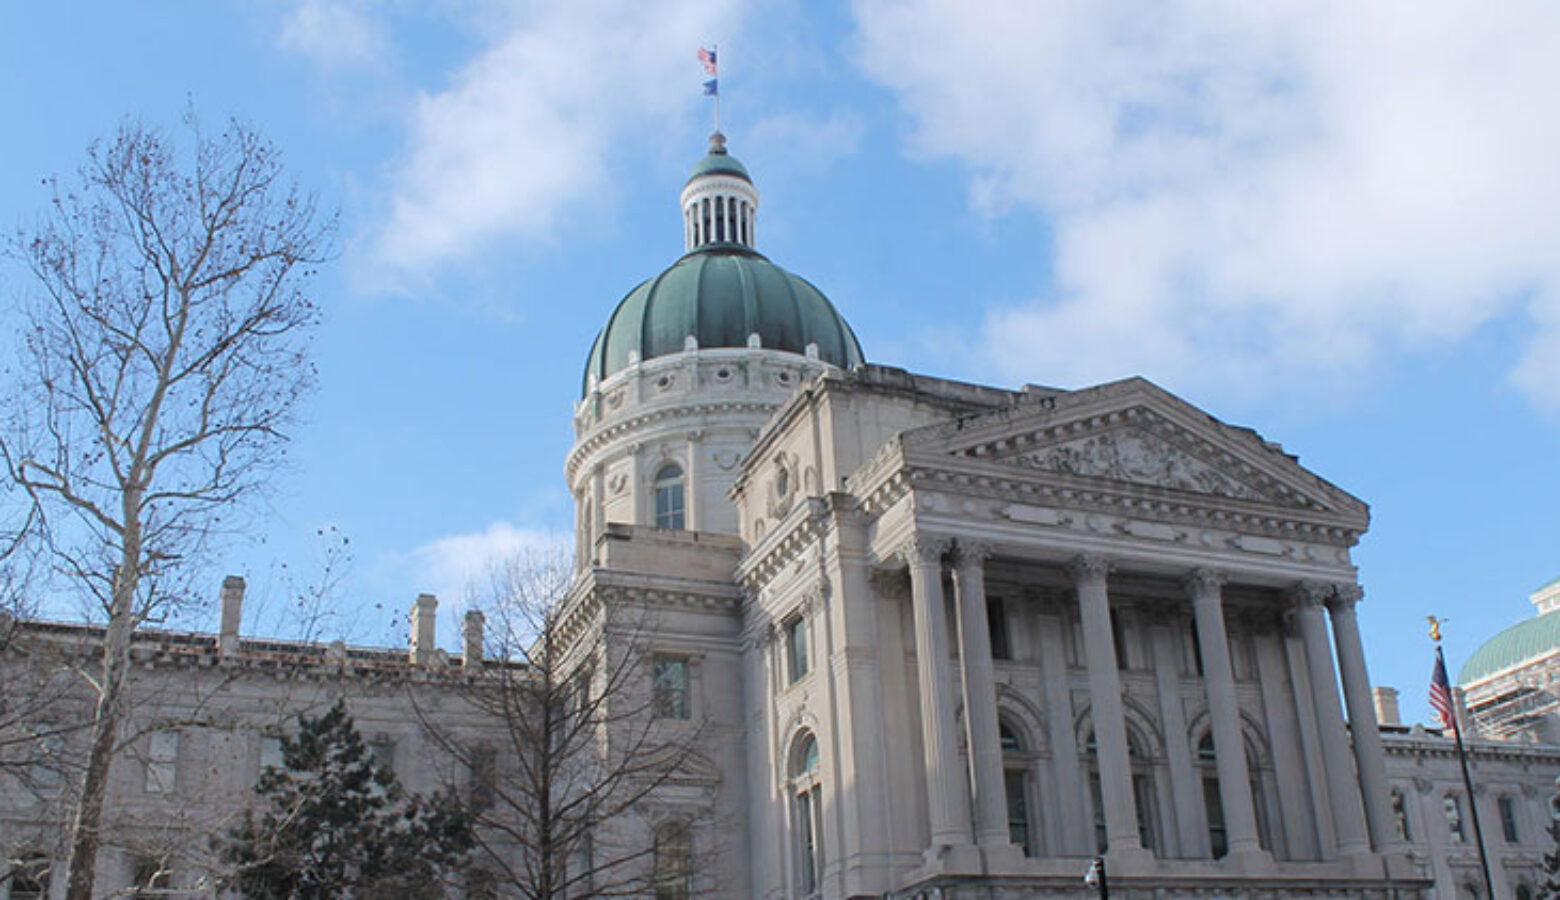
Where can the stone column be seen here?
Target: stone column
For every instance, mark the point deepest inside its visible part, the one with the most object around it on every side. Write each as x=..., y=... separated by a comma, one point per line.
x=946, y=797
x=1342, y=791
x=1229, y=747
x=1072, y=836
x=693, y=496
x=1110, y=727
x=980, y=696
x=1369, y=756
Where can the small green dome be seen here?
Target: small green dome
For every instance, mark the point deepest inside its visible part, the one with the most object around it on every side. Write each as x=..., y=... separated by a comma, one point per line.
x=719, y=294
x=719, y=162
x=1523, y=641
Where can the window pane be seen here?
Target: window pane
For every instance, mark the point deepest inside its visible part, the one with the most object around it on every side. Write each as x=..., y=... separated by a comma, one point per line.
x=996, y=620
x=673, y=862
x=671, y=688
x=1017, y=809
x=162, y=761
x=796, y=641
x=1508, y=819
x=669, y=497
x=1218, y=836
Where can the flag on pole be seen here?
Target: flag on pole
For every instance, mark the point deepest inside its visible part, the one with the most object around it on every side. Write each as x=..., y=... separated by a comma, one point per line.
x=1441, y=694
x=707, y=57
x=712, y=88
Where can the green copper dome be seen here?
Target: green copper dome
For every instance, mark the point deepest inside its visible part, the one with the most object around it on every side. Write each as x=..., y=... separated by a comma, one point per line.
x=719, y=294
x=719, y=162
x=1523, y=641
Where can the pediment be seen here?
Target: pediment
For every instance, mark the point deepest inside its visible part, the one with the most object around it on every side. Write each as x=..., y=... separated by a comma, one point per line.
x=1132, y=434
x=1139, y=456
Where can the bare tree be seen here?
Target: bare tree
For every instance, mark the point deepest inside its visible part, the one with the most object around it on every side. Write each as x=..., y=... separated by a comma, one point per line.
x=590, y=741
x=165, y=355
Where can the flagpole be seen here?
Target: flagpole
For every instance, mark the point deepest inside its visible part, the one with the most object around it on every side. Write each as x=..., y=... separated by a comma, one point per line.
x=716, y=48
x=1473, y=803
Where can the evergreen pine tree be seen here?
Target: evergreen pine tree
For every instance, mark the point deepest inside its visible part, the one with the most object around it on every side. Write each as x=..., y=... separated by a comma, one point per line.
x=336, y=823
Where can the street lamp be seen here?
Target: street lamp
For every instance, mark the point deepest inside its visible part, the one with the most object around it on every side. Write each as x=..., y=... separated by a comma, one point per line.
x=1095, y=877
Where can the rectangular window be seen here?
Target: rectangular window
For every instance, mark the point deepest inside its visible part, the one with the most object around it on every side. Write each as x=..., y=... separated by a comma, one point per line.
x=1453, y=811
x=1218, y=835
x=1508, y=819
x=796, y=646
x=670, y=700
x=996, y=620
x=162, y=762
x=1017, y=809
x=1118, y=637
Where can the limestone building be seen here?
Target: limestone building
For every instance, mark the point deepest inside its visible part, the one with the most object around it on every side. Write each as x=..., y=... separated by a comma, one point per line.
x=933, y=639
x=948, y=637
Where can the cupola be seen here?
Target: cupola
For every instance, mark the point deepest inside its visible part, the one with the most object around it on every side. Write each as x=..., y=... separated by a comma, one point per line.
x=719, y=203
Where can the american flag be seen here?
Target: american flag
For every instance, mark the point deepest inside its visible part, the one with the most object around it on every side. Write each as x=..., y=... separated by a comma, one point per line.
x=1441, y=694
x=707, y=57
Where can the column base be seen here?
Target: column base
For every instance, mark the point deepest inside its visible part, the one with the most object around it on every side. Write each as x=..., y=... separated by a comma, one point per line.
x=951, y=859
x=1252, y=861
x=1002, y=859
x=1128, y=859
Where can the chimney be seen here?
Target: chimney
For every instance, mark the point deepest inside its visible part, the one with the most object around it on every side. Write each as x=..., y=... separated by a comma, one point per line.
x=1386, y=705
x=471, y=636
x=422, y=628
x=232, y=614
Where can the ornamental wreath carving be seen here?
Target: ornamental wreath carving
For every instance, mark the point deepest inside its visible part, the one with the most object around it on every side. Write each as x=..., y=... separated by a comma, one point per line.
x=1138, y=457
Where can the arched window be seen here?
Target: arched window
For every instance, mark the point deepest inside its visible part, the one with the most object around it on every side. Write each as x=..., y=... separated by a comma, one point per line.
x=673, y=861
x=807, y=816
x=30, y=878
x=1015, y=783
x=669, y=497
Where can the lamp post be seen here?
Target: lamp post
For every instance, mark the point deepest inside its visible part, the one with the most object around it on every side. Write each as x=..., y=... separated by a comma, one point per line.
x=1095, y=877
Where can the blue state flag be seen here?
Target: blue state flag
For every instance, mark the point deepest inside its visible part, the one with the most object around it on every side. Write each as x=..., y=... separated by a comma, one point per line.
x=712, y=87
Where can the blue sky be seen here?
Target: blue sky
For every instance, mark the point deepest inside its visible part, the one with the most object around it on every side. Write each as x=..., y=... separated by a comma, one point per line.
x=1335, y=223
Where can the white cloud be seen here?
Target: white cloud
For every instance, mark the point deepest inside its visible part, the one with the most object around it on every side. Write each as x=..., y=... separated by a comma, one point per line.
x=449, y=567
x=335, y=35
x=1249, y=195
x=520, y=142
x=807, y=141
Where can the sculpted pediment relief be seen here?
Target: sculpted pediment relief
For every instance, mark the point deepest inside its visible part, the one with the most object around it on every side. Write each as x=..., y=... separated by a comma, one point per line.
x=1139, y=457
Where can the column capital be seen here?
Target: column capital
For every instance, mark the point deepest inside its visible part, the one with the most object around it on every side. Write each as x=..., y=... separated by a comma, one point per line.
x=1090, y=566
x=1310, y=594
x=1344, y=597
x=971, y=552
x=924, y=548
x=1204, y=583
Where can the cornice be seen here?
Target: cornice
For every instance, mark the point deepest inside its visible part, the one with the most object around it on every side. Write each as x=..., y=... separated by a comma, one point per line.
x=791, y=536
x=1050, y=490
x=618, y=428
